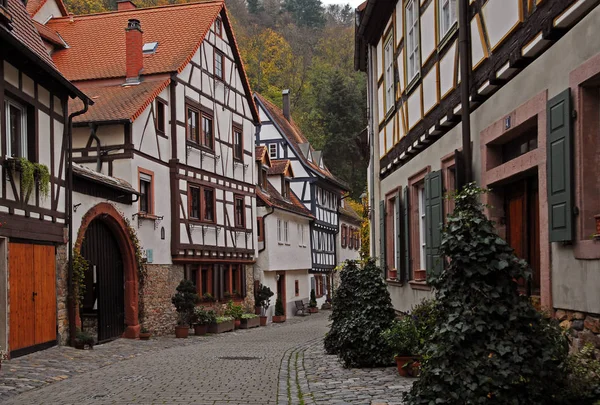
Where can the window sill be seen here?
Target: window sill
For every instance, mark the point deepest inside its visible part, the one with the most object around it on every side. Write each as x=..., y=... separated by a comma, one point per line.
x=200, y=147
x=412, y=84
x=419, y=285
x=145, y=215
x=447, y=37
x=395, y=283
x=162, y=134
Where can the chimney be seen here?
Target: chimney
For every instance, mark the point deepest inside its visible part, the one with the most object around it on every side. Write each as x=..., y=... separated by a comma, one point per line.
x=134, y=59
x=123, y=5
x=286, y=104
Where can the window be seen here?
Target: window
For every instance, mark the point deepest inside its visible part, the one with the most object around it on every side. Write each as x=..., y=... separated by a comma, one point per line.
x=219, y=63
x=286, y=232
x=201, y=203
x=262, y=181
x=260, y=229
x=389, y=73
x=194, y=196
x=17, y=129
x=238, y=144
x=209, y=205
x=193, y=124
x=160, y=117
x=519, y=146
x=207, y=132
x=219, y=27
x=357, y=240
x=146, y=192
x=297, y=288
x=422, y=227
x=240, y=212
x=447, y=15
x=344, y=236
x=202, y=277
x=236, y=281
x=285, y=188
x=273, y=151
x=412, y=39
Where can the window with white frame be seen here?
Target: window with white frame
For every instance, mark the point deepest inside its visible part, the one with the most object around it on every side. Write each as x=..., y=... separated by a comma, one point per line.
x=301, y=242
x=16, y=129
x=447, y=15
x=279, y=231
x=389, y=72
x=422, y=227
x=273, y=151
x=286, y=232
x=413, y=59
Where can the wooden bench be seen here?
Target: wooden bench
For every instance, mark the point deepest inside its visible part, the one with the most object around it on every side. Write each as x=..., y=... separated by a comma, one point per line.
x=301, y=307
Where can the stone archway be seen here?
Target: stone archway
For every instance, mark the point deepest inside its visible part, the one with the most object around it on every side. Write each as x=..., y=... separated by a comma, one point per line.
x=108, y=214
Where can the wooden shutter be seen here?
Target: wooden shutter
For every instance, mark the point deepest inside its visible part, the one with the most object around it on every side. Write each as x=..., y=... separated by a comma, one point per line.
x=434, y=219
x=560, y=182
x=406, y=242
x=382, y=237
x=398, y=236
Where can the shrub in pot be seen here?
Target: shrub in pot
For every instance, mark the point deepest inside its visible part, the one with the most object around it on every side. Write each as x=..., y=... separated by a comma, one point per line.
x=145, y=333
x=203, y=318
x=83, y=340
x=489, y=345
x=312, y=305
x=235, y=311
x=185, y=301
x=262, y=298
x=279, y=316
x=362, y=310
x=403, y=340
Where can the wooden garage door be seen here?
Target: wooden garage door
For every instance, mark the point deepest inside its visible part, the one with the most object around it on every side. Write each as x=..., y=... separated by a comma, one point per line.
x=32, y=278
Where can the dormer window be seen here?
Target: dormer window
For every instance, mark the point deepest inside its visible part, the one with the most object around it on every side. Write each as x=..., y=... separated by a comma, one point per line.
x=285, y=188
x=149, y=48
x=273, y=151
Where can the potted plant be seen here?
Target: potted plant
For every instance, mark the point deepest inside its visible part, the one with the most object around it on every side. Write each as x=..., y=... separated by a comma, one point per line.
x=279, y=316
x=312, y=305
x=249, y=321
x=207, y=297
x=326, y=304
x=145, y=334
x=235, y=311
x=263, y=300
x=221, y=324
x=420, y=275
x=185, y=301
x=203, y=318
x=83, y=339
x=403, y=339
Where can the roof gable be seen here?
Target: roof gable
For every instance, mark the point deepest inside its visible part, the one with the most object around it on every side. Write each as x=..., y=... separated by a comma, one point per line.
x=262, y=156
x=281, y=167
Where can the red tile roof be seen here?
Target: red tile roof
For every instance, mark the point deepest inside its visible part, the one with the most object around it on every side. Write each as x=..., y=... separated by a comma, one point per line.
x=260, y=152
x=296, y=138
x=281, y=167
x=48, y=34
x=33, y=6
x=348, y=213
x=97, y=41
x=117, y=102
x=272, y=198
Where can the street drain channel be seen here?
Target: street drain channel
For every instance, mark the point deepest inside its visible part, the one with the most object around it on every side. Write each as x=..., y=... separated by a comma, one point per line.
x=239, y=358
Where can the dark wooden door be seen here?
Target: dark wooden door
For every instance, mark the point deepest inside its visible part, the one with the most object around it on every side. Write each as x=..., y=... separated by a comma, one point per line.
x=105, y=284
x=281, y=293
x=32, y=297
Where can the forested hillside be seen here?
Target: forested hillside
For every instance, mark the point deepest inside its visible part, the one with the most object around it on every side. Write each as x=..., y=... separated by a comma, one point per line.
x=305, y=47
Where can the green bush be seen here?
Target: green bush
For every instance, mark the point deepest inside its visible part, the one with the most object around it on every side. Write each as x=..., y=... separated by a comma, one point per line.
x=489, y=345
x=583, y=370
x=313, y=299
x=403, y=337
x=262, y=297
x=202, y=316
x=185, y=301
x=279, y=307
x=362, y=310
x=234, y=310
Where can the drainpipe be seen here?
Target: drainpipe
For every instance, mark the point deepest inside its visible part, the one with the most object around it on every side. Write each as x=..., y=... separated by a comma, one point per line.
x=371, y=137
x=465, y=73
x=70, y=297
x=265, y=231
x=93, y=128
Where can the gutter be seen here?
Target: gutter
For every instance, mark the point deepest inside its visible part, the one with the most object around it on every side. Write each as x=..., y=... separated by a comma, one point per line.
x=71, y=290
x=265, y=230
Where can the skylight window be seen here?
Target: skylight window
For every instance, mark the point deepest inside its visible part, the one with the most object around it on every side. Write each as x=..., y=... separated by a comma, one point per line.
x=150, y=47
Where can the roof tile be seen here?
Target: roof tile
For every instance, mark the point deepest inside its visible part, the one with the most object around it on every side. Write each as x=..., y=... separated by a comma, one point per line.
x=272, y=198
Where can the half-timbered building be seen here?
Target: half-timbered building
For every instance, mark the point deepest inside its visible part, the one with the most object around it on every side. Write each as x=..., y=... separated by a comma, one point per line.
x=34, y=120
x=316, y=187
x=534, y=128
x=166, y=153
x=284, y=259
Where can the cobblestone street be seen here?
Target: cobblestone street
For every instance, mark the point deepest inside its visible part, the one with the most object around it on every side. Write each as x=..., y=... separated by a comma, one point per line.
x=279, y=364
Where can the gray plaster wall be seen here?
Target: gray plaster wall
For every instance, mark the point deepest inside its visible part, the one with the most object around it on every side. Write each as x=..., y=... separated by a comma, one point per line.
x=575, y=283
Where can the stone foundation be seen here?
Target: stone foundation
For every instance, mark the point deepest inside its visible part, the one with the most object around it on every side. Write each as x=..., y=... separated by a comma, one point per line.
x=62, y=291
x=157, y=313
x=585, y=328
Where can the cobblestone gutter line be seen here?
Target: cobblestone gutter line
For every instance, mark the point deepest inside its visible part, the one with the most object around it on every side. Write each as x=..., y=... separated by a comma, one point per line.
x=293, y=386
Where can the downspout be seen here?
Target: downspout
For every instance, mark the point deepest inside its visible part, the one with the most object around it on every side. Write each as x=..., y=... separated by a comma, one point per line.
x=371, y=137
x=265, y=231
x=465, y=73
x=70, y=295
x=93, y=135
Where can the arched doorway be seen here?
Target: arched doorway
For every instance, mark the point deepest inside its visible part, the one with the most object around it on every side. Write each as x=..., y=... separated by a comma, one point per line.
x=103, y=306
x=112, y=279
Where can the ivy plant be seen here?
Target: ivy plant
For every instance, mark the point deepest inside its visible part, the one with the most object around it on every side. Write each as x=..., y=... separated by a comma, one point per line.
x=80, y=268
x=489, y=344
x=32, y=172
x=362, y=310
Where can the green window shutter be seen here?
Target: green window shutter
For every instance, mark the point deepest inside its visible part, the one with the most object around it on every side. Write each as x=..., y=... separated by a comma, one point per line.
x=406, y=230
x=398, y=236
x=560, y=182
x=382, y=237
x=434, y=220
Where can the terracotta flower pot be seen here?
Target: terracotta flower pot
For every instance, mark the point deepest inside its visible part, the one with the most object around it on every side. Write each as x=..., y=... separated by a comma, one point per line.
x=182, y=332
x=237, y=323
x=392, y=274
x=257, y=310
x=200, y=330
x=408, y=366
x=420, y=275
x=313, y=310
x=145, y=336
x=263, y=320
x=278, y=318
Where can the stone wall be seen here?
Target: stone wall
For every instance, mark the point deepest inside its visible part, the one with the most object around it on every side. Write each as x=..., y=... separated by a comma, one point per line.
x=62, y=291
x=585, y=328
x=157, y=313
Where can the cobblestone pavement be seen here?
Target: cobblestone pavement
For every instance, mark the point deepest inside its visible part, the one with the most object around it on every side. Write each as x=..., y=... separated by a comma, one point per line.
x=279, y=364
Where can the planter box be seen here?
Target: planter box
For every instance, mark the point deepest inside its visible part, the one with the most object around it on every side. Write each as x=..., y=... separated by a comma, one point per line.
x=220, y=327
x=313, y=310
x=278, y=319
x=250, y=323
x=326, y=305
x=200, y=330
x=145, y=336
x=263, y=320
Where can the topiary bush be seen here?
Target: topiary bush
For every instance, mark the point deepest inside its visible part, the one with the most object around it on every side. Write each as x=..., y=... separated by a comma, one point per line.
x=362, y=310
x=185, y=302
x=279, y=307
x=489, y=345
x=313, y=299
